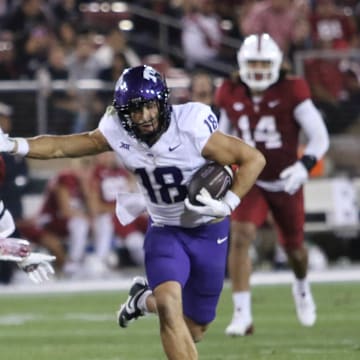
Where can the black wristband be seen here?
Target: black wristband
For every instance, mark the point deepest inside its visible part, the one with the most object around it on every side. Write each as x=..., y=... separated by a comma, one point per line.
x=309, y=162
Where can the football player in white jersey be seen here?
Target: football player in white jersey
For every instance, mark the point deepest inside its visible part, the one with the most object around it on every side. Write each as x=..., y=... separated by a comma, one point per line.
x=163, y=146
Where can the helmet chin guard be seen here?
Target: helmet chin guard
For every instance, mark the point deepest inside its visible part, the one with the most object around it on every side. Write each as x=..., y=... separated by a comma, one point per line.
x=135, y=87
x=259, y=48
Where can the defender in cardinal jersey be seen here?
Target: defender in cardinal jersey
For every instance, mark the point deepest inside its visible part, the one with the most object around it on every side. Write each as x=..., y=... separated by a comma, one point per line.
x=267, y=109
x=163, y=146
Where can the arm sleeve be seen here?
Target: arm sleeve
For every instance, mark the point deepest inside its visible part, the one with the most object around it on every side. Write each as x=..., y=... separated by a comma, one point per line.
x=314, y=127
x=200, y=123
x=111, y=129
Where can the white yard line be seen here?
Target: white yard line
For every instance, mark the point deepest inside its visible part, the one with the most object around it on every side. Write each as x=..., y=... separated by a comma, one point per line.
x=123, y=283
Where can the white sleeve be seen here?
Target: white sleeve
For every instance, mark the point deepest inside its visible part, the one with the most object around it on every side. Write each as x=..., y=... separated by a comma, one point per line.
x=109, y=126
x=313, y=125
x=199, y=122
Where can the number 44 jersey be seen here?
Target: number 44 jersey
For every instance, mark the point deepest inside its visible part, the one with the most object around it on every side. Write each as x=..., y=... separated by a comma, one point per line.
x=266, y=122
x=164, y=169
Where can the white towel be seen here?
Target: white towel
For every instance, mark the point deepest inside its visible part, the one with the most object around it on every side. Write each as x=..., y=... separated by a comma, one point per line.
x=129, y=206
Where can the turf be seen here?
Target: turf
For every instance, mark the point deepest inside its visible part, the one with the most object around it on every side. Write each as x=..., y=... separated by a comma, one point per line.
x=83, y=327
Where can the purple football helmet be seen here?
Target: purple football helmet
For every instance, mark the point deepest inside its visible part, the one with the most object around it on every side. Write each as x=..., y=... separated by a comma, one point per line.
x=135, y=87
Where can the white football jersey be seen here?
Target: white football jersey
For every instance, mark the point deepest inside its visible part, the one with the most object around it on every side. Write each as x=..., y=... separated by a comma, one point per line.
x=164, y=170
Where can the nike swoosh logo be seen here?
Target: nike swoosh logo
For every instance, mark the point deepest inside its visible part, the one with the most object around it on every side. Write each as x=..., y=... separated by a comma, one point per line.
x=172, y=148
x=130, y=306
x=156, y=225
x=221, y=240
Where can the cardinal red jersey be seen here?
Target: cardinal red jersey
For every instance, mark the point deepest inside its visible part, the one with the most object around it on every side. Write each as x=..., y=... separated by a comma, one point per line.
x=50, y=218
x=2, y=170
x=267, y=124
x=110, y=181
x=72, y=183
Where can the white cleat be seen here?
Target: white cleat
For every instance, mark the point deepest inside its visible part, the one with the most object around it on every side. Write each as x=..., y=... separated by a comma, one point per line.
x=305, y=306
x=240, y=326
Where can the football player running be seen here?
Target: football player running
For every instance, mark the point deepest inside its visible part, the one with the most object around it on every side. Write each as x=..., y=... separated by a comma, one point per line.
x=267, y=109
x=163, y=146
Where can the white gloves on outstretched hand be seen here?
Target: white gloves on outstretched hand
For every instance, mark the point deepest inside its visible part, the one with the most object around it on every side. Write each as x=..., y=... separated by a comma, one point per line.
x=294, y=176
x=38, y=267
x=212, y=207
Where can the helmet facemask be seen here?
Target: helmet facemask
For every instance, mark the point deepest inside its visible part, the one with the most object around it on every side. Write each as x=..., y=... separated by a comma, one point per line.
x=259, y=61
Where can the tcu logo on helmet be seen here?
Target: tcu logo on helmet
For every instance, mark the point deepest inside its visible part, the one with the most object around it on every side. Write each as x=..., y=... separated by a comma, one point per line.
x=120, y=85
x=149, y=74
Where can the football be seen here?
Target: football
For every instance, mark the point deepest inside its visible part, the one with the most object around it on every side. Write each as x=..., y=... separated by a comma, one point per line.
x=215, y=178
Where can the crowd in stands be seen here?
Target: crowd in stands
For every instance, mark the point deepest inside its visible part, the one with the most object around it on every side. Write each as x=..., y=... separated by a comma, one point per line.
x=61, y=38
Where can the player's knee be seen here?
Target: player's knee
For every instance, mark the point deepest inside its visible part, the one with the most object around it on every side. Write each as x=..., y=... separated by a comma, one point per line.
x=293, y=245
x=197, y=331
x=242, y=234
x=168, y=307
x=198, y=335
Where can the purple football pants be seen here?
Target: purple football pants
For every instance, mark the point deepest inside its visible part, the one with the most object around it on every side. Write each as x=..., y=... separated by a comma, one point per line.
x=194, y=257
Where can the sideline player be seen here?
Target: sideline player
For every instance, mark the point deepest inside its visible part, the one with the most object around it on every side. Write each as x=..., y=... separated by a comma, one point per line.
x=163, y=146
x=267, y=109
x=36, y=265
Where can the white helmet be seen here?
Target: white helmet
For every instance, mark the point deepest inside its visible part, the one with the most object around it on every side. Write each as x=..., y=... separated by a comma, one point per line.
x=260, y=47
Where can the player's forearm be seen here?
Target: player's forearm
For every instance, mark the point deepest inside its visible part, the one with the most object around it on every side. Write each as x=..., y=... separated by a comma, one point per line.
x=58, y=146
x=51, y=146
x=55, y=146
x=229, y=150
x=247, y=173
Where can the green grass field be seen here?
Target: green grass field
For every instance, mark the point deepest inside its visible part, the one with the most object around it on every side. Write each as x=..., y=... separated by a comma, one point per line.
x=82, y=327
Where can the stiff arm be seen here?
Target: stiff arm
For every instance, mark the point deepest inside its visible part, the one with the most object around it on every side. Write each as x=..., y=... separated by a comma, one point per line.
x=62, y=146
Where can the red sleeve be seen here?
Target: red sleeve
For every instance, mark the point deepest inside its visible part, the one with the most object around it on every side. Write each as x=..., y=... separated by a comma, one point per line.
x=67, y=179
x=301, y=90
x=221, y=94
x=2, y=170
